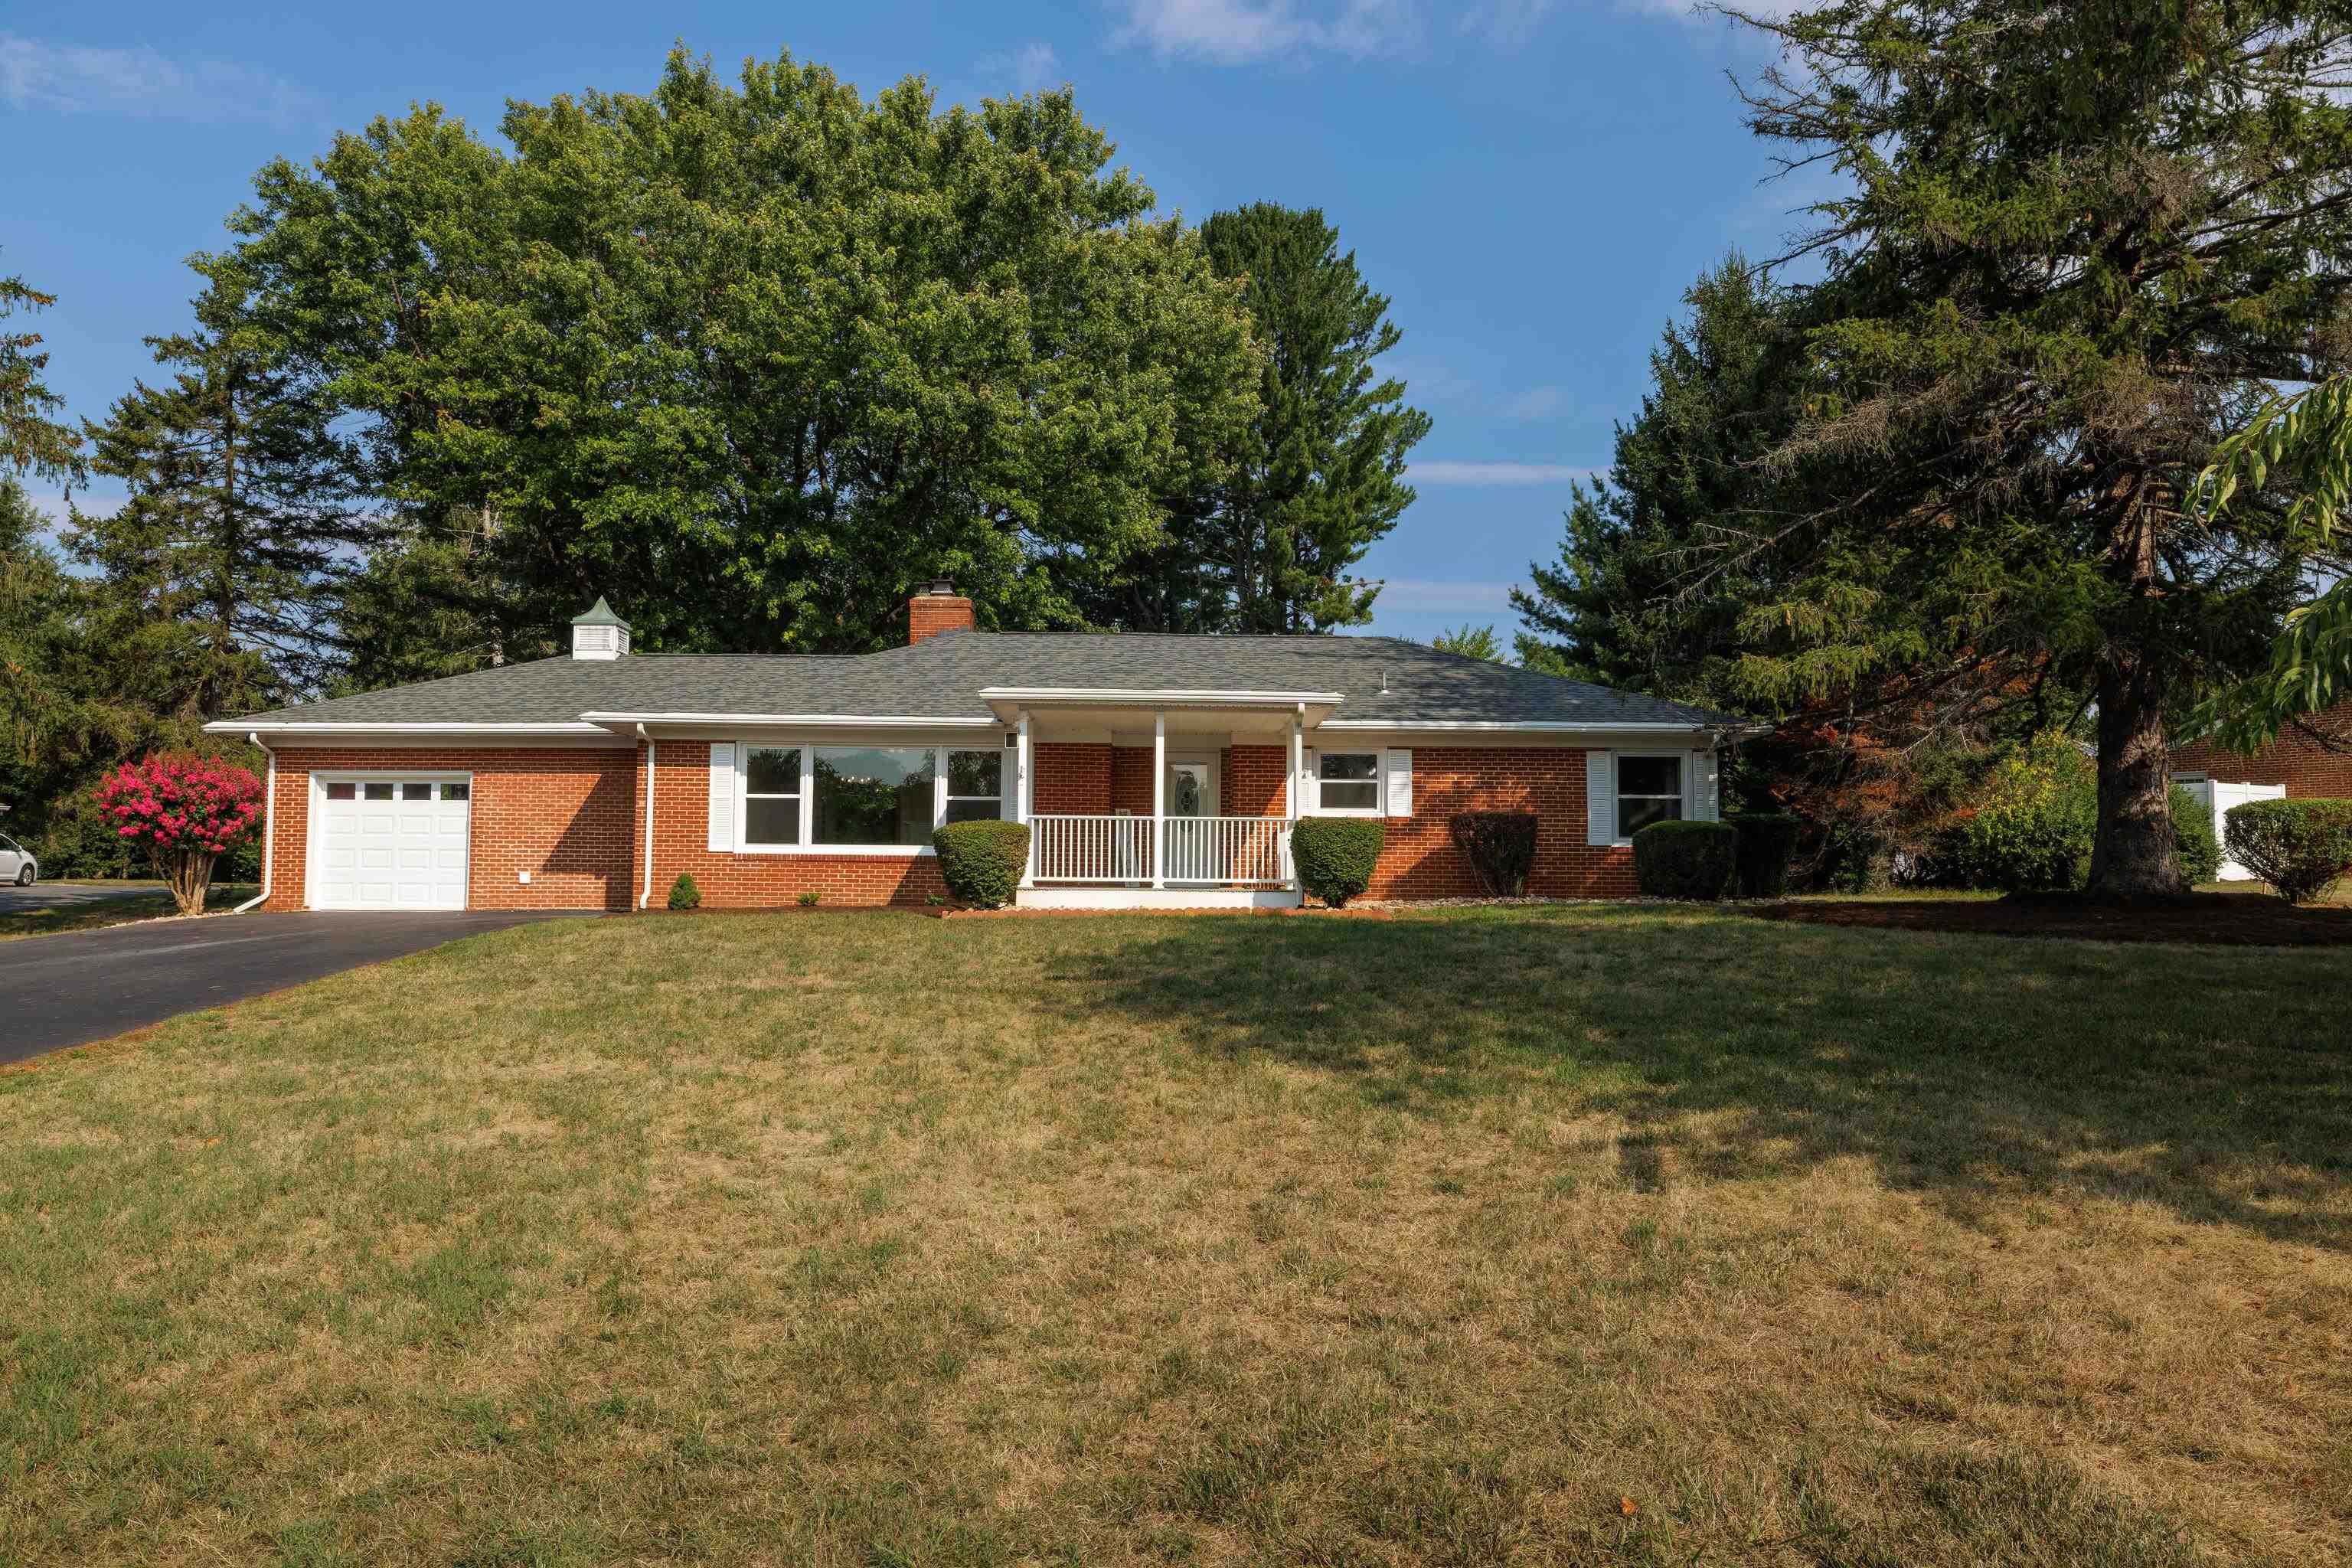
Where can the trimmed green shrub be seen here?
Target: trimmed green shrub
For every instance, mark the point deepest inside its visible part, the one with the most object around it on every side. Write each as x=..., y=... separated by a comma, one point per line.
x=811, y=899
x=684, y=894
x=981, y=861
x=2299, y=847
x=1335, y=854
x=2031, y=828
x=1685, y=859
x=1500, y=846
x=2192, y=829
x=2035, y=820
x=1767, y=841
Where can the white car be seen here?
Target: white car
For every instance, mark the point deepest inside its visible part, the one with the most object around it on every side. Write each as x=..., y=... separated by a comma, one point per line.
x=17, y=863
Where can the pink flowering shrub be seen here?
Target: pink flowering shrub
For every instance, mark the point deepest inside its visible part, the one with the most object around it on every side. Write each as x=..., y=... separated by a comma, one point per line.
x=186, y=811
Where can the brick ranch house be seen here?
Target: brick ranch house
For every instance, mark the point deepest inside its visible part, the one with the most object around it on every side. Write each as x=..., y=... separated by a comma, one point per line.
x=1153, y=770
x=2312, y=758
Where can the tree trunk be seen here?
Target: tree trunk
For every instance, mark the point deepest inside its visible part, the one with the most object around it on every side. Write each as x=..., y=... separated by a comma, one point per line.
x=189, y=874
x=2134, y=854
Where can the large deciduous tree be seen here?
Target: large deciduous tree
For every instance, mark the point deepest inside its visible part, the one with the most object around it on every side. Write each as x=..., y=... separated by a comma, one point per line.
x=753, y=359
x=2081, y=240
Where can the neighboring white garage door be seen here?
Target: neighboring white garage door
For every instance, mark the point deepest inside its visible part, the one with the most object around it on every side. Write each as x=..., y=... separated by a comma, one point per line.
x=389, y=841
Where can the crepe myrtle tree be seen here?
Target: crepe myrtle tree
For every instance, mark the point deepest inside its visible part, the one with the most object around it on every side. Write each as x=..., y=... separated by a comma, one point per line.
x=186, y=811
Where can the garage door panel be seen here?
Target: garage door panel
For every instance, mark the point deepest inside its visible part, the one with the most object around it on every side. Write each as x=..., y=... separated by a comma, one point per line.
x=391, y=846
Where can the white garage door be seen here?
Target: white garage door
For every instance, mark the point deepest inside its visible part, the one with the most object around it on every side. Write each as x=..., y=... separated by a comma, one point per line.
x=395, y=843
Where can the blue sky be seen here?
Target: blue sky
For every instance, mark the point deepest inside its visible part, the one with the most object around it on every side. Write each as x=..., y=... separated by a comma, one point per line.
x=1533, y=182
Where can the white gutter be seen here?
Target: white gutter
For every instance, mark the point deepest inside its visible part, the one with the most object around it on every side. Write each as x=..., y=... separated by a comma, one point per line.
x=231, y=727
x=646, y=893
x=604, y=722
x=269, y=806
x=1155, y=696
x=1546, y=726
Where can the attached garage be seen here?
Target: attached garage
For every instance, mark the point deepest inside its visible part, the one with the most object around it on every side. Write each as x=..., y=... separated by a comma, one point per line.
x=390, y=841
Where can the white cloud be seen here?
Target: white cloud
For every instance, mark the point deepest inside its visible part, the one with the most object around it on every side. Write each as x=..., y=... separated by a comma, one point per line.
x=1428, y=595
x=1536, y=403
x=1506, y=23
x=1032, y=67
x=1495, y=473
x=1239, y=32
x=1427, y=381
x=70, y=79
x=1035, y=66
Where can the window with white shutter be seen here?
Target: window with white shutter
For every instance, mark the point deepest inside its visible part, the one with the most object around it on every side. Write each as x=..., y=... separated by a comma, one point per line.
x=722, y=796
x=1398, y=763
x=1600, y=797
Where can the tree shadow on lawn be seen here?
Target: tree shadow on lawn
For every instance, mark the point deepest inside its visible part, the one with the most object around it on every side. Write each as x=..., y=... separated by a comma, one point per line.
x=2216, y=1083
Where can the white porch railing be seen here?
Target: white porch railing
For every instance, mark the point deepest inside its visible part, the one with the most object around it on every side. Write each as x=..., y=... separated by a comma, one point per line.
x=1234, y=851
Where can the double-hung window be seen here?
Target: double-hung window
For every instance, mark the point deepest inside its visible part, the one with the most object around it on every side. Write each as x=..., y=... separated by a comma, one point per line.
x=1649, y=790
x=772, y=795
x=1347, y=782
x=975, y=786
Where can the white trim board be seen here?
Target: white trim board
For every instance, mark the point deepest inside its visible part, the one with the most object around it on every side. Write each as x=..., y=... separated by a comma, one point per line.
x=1070, y=897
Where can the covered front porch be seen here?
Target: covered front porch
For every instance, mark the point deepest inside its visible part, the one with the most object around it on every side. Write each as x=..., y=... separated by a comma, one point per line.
x=1159, y=800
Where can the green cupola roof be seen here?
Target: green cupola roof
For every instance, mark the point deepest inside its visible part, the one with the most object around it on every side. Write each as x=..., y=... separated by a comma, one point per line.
x=599, y=614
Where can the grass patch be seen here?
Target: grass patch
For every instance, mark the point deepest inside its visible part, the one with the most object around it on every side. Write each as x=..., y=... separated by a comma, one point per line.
x=49, y=921
x=1538, y=1235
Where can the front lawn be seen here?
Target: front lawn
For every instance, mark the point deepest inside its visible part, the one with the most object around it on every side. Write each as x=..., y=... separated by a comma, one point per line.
x=1641, y=1236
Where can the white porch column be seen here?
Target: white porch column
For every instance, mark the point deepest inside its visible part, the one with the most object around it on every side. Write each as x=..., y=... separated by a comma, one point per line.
x=1024, y=795
x=1160, y=798
x=1294, y=783
x=1293, y=787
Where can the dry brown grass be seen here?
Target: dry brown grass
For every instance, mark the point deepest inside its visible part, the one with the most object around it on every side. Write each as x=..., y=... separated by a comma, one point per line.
x=1542, y=1235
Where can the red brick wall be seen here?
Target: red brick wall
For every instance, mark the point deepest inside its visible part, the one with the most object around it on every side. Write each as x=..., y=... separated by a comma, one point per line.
x=1072, y=778
x=1421, y=862
x=732, y=880
x=565, y=816
x=2301, y=762
x=1254, y=780
x=929, y=615
x=1130, y=779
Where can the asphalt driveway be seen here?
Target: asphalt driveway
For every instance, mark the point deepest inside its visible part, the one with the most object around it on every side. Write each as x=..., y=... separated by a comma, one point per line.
x=79, y=986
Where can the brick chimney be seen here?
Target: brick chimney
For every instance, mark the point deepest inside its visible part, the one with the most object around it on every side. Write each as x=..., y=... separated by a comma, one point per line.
x=935, y=608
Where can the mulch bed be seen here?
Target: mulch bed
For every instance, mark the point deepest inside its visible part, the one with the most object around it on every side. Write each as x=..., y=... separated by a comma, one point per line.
x=2226, y=920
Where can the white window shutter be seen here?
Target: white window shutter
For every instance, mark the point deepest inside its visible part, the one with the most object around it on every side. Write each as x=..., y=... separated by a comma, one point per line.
x=1310, y=797
x=722, y=794
x=1600, y=797
x=1707, y=800
x=1398, y=766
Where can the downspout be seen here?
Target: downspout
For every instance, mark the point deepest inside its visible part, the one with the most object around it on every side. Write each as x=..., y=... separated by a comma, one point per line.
x=646, y=893
x=269, y=814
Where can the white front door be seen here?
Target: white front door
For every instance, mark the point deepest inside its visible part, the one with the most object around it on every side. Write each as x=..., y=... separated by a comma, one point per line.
x=1191, y=793
x=12, y=859
x=390, y=843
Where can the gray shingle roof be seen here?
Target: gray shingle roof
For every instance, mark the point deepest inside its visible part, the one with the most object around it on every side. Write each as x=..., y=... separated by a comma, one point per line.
x=942, y=678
